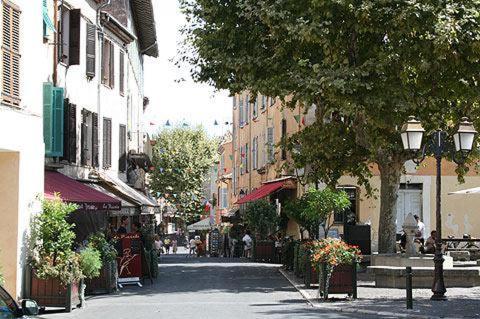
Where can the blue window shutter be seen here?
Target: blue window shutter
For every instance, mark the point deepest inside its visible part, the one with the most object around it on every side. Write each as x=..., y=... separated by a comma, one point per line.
x=57, y=122
x=48, y=117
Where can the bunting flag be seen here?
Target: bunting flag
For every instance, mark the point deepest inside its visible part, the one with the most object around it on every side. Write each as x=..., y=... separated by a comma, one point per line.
x=243, y=154
x=303, y=120
x=231, y=157
x=152, y=124
x=161, y=169
x=297, y=118
x=225, y=170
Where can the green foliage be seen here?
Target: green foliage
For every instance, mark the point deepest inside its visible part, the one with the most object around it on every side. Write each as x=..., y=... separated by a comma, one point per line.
x=106, y=249
x=262, y=218
x=90, y=262
x=182, y=158
x=52, y=239
x=365, y=65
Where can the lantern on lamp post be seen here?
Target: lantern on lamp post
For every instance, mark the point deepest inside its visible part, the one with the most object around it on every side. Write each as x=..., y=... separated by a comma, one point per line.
x=412, y=134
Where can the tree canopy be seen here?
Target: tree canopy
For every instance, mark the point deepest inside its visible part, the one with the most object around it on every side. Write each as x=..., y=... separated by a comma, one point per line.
x=182, y=157
x=365, y=65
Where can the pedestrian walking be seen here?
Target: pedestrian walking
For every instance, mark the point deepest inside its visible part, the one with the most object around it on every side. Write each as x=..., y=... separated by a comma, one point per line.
x=248, y=244
x=233, y=243
x=278, y=248
x=158, y=245
x=174, y=245
x=192, y=247
x=166, y=243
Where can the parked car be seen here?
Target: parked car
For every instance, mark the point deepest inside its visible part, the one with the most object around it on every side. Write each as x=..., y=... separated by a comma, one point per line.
x=10, y=309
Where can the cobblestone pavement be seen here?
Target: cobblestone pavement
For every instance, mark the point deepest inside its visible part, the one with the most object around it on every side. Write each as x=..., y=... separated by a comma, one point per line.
x=461, y=303
x=207, y=288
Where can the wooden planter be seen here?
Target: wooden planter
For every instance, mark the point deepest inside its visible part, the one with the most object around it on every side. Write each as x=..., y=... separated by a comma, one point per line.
x=52, y=293
x=311, y=274
x=342, y=281
x=264, y=251
x=105, y=283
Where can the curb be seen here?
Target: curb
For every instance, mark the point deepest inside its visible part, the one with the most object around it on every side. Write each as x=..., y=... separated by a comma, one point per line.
x=354, y=311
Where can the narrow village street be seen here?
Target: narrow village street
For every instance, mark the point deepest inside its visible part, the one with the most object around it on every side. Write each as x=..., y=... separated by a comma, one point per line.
x=205, y=288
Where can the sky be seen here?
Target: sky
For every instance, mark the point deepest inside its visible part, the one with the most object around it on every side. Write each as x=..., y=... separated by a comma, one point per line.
x=185, y=101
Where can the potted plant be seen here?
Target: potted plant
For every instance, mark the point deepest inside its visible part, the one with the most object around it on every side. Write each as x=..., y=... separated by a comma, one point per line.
x=336, y=262
x=262, y=218
x=90, y=264
x=106, y=280
x=55, y=267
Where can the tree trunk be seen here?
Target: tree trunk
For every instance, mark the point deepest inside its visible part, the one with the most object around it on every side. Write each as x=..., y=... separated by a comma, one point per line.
x=390, y=172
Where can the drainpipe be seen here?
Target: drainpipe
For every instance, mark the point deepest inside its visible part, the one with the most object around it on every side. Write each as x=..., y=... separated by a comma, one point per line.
x=56, y=43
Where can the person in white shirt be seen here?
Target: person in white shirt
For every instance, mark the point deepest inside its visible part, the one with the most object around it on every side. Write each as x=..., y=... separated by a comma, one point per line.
x=248, y=242
x=192, y=247
x=420, y=235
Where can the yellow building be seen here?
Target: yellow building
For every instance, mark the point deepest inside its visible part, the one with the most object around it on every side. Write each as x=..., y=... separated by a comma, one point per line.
x=259, y=125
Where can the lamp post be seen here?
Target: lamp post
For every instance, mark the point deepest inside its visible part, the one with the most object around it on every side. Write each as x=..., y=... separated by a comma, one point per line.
x=412, y=135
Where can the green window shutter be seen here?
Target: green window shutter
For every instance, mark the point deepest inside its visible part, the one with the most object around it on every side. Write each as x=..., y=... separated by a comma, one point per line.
x=58, y=118
x=48, y=117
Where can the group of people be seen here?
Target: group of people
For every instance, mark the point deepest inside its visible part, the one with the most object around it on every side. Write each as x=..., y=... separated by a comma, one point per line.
x=163, y=246
x=196, y=247
x=426, y=246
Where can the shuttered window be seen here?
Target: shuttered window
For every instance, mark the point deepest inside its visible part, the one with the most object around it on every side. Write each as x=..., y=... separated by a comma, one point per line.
x=247, y=163
x=74, y=38
x=240, y=111
x=10, y=54
x=90, y=50
x=284, y=138
x=255, y=107
x=246, y=117
x=264, y=102
x=122, y=160
x=107, y=143
x=70, y=132
x=89, y=139
x=270, y=145
x=121, y=73
x=108, y=63
x=53, y=117
x=255, y=153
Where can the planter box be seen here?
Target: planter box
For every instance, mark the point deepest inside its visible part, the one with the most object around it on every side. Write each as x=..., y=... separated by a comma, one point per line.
x=342, y=281
x=311, y=274
x=264, y=251
x=105, y=283
x=52, y=293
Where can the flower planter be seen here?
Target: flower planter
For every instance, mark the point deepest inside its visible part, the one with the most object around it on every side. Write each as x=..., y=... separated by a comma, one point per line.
x=52, y=293
x=105, y=283
x=264, y=251
x=311, y=274
x=343, y=280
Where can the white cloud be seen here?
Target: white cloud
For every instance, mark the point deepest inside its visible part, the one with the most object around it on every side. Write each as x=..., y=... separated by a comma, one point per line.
x=184, y=101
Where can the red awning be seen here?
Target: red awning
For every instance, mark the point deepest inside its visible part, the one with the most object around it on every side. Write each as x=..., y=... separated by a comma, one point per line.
x=261, y=192
x=72, y=191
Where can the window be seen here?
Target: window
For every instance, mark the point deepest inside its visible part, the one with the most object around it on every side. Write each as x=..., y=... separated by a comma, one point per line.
x=89, y=139
x=350, y=213
x=409, y=200
x=264, y=102
x=108, y=69
x=234, y=180
x=284, y=139
x=107, y=143
x=10, y=54
x=240, y=111
x=234, y=101
x=255, y=153
x=247, y=151
x=222, y=164
x=53, y=117
x=121, y=73
x=224, y=198
x=242, y=160
x=272, y=101
x=246, y=117
x=270, y=145
x=255, y=108
x=122, y=151
x=70, y=132
x=69, y=36
x=90, y=50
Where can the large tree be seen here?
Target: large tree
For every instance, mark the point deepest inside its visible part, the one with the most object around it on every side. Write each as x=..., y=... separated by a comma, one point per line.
x=365, y=65
x=182, y=157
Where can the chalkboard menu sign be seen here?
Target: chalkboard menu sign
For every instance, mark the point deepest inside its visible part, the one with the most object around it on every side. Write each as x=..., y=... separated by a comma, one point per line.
x=129, y=258
x=215, y=242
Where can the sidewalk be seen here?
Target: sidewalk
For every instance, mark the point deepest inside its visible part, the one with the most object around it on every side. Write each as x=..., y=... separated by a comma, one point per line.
x=389, y=302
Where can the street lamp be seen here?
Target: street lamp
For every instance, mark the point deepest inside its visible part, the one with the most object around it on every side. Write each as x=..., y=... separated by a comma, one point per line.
x=412, y=134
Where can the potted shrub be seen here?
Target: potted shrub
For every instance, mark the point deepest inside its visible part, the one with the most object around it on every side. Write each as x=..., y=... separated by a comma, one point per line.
x=262, y=218
x=336, y=262
x=106, y=280
x=55, y=268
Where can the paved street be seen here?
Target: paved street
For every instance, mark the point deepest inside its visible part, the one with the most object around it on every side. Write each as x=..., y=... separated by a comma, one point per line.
x=206, y=288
